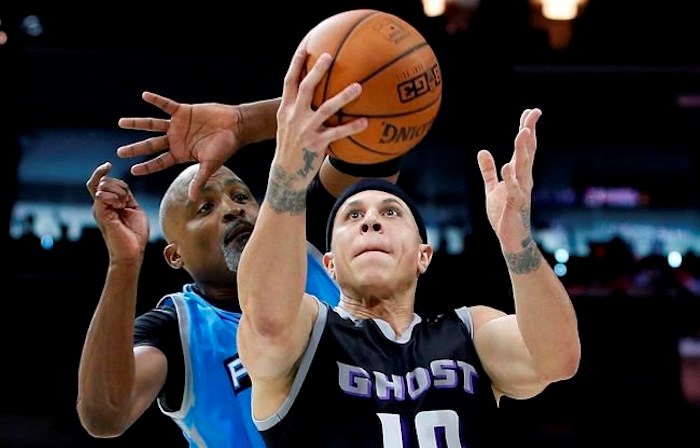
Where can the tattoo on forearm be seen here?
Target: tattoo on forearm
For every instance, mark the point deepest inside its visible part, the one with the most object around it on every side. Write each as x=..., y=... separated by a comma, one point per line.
x=308, y=162
x=525, y=215
x=526, y=261
x=280, y=195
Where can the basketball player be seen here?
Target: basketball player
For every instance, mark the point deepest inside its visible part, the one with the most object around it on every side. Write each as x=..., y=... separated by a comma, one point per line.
x=183, y=353
x=371, y=372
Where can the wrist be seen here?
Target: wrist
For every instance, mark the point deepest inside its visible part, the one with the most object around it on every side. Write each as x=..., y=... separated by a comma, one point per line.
x=514, y=245
x=524, y=260
x=257, y=121
x=125, y=264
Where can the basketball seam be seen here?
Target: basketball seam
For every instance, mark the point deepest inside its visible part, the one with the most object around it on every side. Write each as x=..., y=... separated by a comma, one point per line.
x=367, y=148
x=340, y=47
x=399, y=114
x=339, y=114
x=396, y=59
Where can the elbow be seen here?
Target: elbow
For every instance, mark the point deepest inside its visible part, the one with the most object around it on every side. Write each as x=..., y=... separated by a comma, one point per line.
x=572, y=358
x=573, y=361
x=100, y=423
x=266, y=326
x=569, y=368
x=264, y=320
x=567, y=365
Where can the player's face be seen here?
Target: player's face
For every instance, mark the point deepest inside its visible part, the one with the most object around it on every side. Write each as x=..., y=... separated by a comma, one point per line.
x=216, y=227
x=376, y=243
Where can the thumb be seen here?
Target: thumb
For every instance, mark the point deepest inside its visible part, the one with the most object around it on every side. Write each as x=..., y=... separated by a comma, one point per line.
x=96, y=177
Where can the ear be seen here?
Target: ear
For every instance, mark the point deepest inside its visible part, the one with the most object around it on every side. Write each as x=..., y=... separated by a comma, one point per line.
x=172, y=256
x=329, y=264
x=425, y=255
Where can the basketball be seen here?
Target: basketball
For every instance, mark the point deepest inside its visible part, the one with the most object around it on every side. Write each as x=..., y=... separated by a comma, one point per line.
x=400, y=78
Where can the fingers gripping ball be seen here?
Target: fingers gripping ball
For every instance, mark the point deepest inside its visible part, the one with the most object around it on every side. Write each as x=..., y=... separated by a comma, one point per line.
x=400, y=78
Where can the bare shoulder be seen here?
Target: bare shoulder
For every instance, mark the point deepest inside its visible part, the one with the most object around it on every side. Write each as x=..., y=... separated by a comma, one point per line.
x=482, y=314
x=310, y=307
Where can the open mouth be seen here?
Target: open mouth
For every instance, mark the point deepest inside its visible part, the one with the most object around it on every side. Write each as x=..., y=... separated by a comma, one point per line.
x=237, y=231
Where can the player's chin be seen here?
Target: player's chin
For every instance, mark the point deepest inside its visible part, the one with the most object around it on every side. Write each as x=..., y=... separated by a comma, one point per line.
x=233, y=250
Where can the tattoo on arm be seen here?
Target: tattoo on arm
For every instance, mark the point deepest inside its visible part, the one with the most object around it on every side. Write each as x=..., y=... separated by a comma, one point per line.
x=526, y=261
x=525, y=215
x=280, y=194
x=308, y=162
x=529, y=259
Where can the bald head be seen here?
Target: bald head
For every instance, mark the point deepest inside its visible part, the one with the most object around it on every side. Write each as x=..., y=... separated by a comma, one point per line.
x=176, y=196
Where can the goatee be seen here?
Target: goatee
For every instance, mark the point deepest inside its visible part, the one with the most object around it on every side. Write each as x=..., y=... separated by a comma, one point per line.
x=232, y=252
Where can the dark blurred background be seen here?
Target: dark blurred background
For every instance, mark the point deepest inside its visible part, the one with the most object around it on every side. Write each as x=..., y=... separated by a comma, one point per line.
x=615, y=207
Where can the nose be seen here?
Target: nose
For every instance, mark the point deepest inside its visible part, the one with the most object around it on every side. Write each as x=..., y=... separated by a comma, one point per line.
x=372, y=223
x=232, y=210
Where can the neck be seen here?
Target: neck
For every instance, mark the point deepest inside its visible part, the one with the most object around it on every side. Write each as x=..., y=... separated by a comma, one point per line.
x=224, y=298
x=397, y=313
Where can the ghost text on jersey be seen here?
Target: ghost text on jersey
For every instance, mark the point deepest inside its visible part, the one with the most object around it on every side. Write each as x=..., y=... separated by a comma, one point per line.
x=441, y=374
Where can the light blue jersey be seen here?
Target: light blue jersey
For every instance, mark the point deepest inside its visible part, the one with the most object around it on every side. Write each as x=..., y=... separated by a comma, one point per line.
x=216, y=404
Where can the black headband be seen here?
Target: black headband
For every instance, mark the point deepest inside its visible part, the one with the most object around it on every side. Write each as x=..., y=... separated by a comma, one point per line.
x=381, y=185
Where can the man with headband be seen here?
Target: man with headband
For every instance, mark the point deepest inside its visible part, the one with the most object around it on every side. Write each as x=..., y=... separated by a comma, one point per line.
x=371, y=372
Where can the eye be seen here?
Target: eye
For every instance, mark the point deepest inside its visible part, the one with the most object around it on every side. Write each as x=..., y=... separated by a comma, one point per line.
x=354, y=214
x=392, y=211
x=241, y=197
x=205, y=208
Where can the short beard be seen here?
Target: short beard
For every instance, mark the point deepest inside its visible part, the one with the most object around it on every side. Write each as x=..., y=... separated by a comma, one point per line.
x=232, y=257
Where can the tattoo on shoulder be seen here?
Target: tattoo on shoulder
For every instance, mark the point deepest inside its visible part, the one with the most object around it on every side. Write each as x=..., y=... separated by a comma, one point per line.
x=526, y=261
x=280, y=194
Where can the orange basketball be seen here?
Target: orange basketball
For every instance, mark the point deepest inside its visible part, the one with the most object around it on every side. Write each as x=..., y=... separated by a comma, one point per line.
x=400, y=78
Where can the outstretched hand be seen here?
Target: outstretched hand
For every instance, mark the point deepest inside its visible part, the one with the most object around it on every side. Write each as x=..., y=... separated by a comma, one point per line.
x=208, y=133
x=302, y=136
x=508, y=201
x=123, y=223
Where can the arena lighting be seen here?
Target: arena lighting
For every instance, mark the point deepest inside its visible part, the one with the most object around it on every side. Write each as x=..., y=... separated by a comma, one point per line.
x=674, y=259
x=688, y=101
x=556, y=17
x=560, y=9
x=434, y=8
x=31, y=26
x=561, y=255
x=560, y=269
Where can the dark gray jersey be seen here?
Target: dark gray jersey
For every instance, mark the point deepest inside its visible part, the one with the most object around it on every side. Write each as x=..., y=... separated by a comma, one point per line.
x=360, y=386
